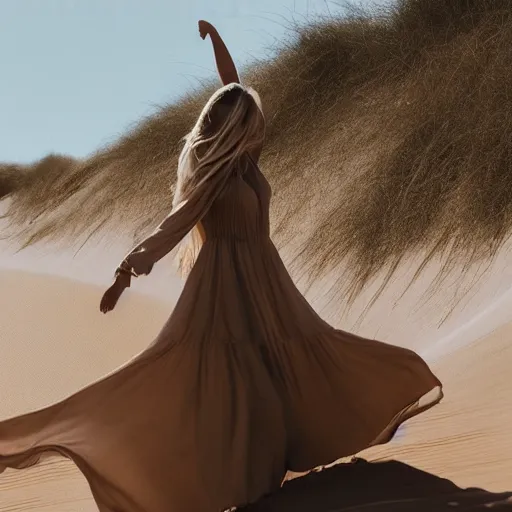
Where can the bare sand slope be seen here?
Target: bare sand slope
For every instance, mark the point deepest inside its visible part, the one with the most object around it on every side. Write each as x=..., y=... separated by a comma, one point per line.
x=53, y=341
x=468, y=437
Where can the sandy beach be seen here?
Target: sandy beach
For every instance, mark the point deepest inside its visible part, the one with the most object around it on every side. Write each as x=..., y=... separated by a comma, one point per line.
x=465, y=439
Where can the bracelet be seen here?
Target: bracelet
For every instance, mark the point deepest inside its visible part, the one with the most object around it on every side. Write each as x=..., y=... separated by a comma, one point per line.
x=120, y=271
x=129, y=269
x=125, y=270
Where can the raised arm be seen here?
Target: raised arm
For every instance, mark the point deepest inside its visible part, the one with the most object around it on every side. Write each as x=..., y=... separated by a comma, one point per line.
x=225, y=65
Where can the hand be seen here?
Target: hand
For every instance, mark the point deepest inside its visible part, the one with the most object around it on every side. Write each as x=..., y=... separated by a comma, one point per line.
x=112, y=295
x=205, y=28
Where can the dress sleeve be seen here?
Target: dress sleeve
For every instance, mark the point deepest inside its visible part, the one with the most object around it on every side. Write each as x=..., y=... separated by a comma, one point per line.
x=174, y=227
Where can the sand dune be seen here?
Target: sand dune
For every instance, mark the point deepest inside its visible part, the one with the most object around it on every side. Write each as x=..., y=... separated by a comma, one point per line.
x=53, y=331
x=54, y=341
x=466, y=438
x=43, y=358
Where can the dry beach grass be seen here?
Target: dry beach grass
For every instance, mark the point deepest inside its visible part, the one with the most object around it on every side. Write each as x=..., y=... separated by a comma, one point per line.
x=390, y=130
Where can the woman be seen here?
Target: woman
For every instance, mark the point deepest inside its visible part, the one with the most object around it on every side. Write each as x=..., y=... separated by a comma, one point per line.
x=245, y=381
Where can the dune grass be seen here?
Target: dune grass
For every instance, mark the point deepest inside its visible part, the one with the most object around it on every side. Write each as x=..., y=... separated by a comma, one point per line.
x=389, y=129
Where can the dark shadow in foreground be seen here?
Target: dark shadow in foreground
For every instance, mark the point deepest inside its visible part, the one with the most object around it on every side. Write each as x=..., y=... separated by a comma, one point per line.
x=389, y=486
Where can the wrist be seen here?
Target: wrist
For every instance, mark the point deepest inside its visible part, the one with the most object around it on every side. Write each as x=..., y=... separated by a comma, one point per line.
x=124, y=268
x=123, y=280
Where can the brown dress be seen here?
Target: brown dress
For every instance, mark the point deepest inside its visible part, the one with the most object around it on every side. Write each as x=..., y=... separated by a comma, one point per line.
x=244, y=382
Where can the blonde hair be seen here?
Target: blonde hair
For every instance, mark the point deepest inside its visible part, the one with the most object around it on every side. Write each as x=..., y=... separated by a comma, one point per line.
x=222, y=149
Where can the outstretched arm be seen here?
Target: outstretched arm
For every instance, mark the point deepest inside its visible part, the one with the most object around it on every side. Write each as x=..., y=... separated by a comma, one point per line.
x=174, y=227
x=225, y=65
x=141, y=259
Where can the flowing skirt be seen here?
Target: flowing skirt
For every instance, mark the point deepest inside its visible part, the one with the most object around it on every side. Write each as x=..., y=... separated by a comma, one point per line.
x=243, y=383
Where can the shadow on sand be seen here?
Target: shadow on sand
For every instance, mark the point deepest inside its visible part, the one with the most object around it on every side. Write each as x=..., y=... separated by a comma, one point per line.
x=381, y=486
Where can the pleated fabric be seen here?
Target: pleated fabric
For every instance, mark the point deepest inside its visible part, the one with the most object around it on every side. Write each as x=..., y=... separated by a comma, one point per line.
x=243, y=383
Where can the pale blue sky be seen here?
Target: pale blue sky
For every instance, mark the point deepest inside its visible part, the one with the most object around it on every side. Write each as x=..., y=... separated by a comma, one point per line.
x=77, y=73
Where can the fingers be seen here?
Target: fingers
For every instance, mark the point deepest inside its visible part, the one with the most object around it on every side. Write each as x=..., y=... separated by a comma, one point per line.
x=104, y=308
x=111, y=297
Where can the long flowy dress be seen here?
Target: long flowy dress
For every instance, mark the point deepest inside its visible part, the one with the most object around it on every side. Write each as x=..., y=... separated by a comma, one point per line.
x=244, y=382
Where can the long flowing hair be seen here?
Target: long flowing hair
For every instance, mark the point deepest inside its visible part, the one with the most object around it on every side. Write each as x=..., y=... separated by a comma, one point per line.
x=230, y=125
